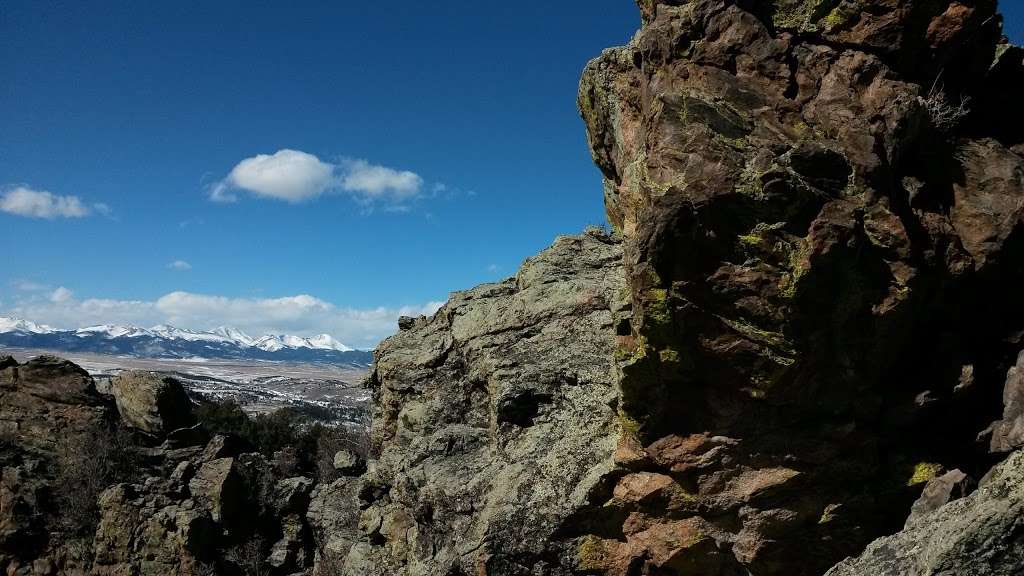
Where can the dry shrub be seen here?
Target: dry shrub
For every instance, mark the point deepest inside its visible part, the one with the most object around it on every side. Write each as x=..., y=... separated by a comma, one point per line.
x=944, y=115
x=250, y=556
x=87, y=464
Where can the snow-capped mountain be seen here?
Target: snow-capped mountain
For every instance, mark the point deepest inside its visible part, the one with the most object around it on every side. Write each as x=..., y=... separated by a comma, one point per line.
x=171, y=342
x=23, y=326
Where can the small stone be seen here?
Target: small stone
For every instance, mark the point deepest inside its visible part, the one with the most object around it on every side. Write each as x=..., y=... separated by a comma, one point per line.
x=348, y=463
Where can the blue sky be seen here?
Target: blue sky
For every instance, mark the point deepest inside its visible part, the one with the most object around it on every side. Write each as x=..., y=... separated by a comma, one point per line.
x=427, y=147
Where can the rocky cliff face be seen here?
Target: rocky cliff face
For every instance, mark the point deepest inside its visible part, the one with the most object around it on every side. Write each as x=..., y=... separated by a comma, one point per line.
x=821, y=211
x=824, y=252
x=495, y=421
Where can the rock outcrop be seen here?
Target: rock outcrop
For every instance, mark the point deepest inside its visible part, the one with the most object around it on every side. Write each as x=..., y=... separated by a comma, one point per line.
x=79, y=494
x=494, y=421
x=152, y=403
x=980, y=535
x=823, y=249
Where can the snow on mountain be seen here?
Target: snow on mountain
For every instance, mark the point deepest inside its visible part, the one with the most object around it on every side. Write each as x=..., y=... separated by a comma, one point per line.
x=221, y=335
x=234, y=335
x=269, y=343
x=16, y=325
x=326, y=342
x=112, y=331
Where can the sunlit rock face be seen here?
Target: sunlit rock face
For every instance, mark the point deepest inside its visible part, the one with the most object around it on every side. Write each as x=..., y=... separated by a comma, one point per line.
x=495, y=421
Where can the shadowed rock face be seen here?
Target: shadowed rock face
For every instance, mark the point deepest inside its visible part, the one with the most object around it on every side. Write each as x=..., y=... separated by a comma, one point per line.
x=979, y=535
x=824, y=256
x=495, y=421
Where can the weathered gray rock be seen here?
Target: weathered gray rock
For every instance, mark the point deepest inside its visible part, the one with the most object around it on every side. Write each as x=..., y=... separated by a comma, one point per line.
x=980, y=535
x=348, y=463
x=152, y=403
x=1008, y=433
x=937, y=493
x=333, y=516
x=143, y=529
x=219, y=489
x=496, y=421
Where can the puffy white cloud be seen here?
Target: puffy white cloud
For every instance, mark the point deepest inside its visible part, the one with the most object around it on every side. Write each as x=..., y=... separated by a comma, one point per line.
x=296, y=176
x=23, y=201
x=61, y=295
x=288, y=175
x=374, y=182
x=303, y=315
x=179, y=266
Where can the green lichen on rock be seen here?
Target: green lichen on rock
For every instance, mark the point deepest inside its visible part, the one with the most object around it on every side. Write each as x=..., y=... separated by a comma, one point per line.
x=801, y=15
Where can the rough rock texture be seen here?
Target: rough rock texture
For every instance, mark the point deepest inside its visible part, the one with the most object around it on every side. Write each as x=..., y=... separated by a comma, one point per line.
x=495, y=420
x=939, y=491
x=47, y=394
x=1008, y=433
x=824, y=256
x=980, y=535
x=152, y=403
x=183, y=507
x=45, y=404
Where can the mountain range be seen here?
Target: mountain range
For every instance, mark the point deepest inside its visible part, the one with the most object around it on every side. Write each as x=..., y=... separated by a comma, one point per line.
x=170, y=342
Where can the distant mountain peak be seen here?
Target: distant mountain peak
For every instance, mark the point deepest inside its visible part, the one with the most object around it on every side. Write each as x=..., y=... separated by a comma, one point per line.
x=18, y=325
x=164, y=339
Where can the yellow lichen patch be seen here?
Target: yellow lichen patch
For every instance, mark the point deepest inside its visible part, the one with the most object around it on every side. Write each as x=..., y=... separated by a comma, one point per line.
x=592, y=553
x=829, y=513
x=668, y=355
x=923, y=472
x=629, y=425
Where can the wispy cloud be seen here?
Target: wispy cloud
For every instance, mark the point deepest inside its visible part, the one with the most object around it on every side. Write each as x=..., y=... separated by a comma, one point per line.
x=24, y=201
x=295, y=176
x=179, y=266
x=22, y=285
x=303, y=314
x=376, y=182
x=61, y=295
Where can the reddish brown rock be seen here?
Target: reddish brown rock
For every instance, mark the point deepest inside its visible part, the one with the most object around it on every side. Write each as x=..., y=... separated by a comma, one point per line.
x=822, y=247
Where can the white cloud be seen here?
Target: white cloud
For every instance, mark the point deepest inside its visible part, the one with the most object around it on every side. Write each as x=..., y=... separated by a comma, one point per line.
x=61, y=295
x=23, y=201
x=288, y=175
x=23, y=285
x=295, y=176
x=375, y=182
x=303, y=315
x=179, y=265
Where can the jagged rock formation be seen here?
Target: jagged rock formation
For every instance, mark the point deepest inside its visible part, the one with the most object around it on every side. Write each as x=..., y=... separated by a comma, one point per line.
x=824, y=252
x=494, y=421
x=979, y=535
x=808, y=313
x=84, y=492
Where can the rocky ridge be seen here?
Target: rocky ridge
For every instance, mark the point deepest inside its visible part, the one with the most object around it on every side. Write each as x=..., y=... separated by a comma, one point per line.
x=795, y=354
x=128, y=483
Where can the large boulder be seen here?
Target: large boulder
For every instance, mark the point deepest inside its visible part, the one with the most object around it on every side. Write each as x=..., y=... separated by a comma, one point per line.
x=219, y=488
x=495, y=421
x=980, y=535
x=152, y=403
x=46, y=400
